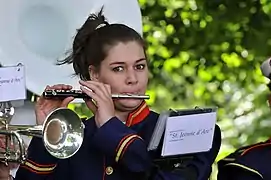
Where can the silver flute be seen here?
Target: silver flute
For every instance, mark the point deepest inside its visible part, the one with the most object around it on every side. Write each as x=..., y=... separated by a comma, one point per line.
x=54, y=93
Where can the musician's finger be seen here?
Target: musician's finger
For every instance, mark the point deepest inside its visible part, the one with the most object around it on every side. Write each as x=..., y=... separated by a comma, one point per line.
x=13, y=165
x=87, y=88
x=61, y=86
x=108, y=88
x=41, y=99
x=4, y=167
x=97, y=88
x=103, y=87
x=91, y=94
x=2, y=142
x=47, y=87
x=90, y=104
x=66, y=101
x=4, y=171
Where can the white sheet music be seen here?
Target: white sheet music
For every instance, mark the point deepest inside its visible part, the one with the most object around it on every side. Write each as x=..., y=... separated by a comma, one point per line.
x=189, y=134
x=12, y=83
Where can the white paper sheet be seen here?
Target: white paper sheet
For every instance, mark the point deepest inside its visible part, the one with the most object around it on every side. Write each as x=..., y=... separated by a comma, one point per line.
x=12, y=83
x=189, y=134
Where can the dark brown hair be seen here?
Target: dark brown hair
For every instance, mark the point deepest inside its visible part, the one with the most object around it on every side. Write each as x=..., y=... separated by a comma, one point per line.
x=91, y=44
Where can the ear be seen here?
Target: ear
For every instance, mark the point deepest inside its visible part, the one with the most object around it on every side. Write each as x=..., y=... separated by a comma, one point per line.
x=93, y=73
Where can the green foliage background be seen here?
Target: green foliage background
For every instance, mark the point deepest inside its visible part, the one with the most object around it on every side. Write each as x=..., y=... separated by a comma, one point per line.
x=208, y=53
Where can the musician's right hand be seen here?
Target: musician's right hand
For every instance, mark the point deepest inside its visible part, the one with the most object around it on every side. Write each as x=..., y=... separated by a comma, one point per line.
x=45, y=106
x=5, y=170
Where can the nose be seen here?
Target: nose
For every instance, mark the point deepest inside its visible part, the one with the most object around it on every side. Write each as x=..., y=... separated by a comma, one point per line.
x=131, y=77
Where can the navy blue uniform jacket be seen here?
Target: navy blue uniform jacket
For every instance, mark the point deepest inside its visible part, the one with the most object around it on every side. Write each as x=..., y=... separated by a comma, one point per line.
x=247, y=163
x=118, y=151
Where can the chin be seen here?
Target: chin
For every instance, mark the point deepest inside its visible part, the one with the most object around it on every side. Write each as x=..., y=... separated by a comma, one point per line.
x=128, y=104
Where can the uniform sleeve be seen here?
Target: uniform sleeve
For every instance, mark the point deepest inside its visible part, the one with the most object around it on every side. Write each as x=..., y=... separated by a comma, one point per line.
x=237, y=174
x=245, y=176
x=130, y=150
x=39, y=164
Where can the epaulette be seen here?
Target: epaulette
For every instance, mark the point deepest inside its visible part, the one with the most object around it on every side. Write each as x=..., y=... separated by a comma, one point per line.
x=236, y=159
x=243, y=150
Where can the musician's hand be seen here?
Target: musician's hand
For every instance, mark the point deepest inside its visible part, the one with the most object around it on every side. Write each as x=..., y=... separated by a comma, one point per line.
x=46, y=106
x=103, y=108
x=5, y=170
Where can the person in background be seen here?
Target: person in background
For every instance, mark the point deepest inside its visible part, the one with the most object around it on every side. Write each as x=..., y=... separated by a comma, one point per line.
x=249, y=162
x=111, y=59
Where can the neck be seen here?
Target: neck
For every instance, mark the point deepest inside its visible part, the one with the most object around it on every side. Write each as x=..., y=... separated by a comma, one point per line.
x=122, y=115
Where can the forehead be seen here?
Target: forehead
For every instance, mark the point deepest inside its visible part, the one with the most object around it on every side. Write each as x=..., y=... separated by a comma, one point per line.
x=128, y=52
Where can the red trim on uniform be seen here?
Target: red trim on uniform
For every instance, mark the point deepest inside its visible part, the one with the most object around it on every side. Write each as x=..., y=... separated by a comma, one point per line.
x=34, y=171
x=121, y=141
x=41, y=165
x=126, y=146
x=256, y=146
x=138, y=115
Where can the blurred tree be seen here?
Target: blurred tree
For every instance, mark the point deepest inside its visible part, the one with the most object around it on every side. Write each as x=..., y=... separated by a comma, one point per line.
x=208, y=53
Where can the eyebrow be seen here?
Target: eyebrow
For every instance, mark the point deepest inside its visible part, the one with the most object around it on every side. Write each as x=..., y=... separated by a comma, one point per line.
x=137, y=61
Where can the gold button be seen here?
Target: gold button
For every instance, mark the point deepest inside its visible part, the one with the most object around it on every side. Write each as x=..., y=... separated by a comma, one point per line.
x=109, y=170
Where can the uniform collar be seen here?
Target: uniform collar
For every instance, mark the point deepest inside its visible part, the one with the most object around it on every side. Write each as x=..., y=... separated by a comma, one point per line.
x=138, y=115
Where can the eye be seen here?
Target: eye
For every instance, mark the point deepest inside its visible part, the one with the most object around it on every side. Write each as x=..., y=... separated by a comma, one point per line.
x=140, y=66
x=118, y=69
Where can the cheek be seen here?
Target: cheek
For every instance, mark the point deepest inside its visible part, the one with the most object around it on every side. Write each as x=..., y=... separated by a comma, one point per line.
x=144, y=78
x=115, y=82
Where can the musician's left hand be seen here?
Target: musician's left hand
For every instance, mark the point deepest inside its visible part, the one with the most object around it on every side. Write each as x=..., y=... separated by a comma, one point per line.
x=103, y=108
